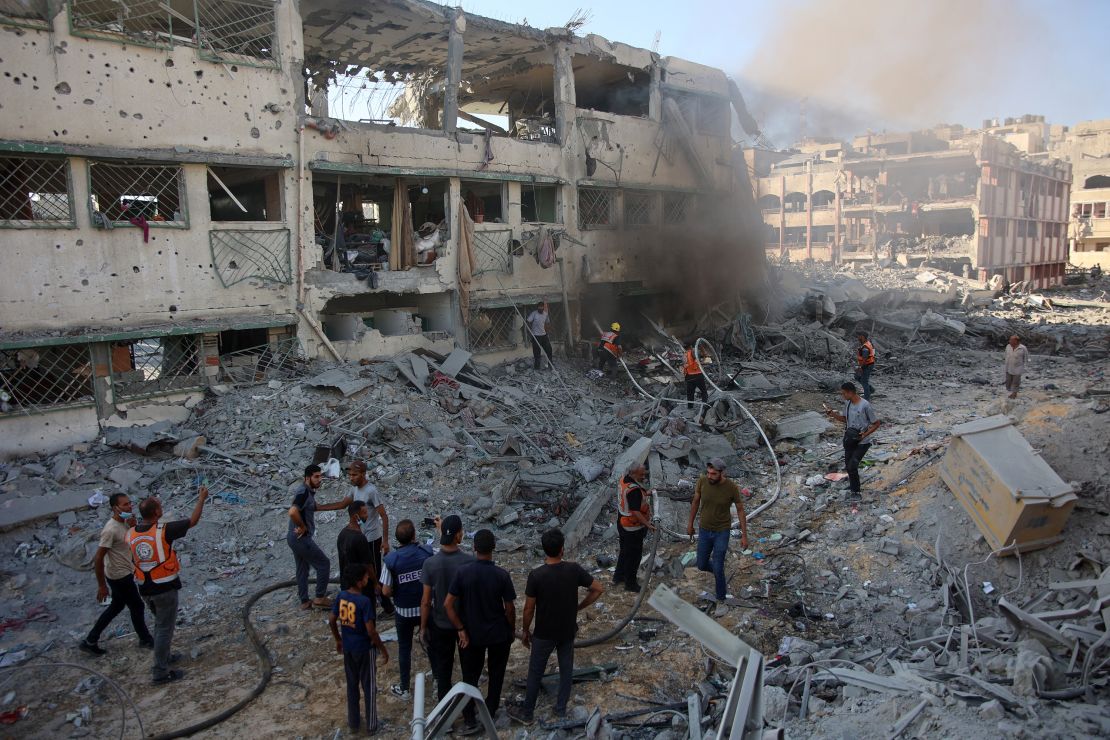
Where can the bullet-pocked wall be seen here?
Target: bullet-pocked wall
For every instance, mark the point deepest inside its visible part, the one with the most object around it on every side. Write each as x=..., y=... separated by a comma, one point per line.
x=107, y=131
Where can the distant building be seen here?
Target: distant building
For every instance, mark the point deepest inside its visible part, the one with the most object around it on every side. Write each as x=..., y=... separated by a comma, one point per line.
x=885, y=194
x=1087, y=147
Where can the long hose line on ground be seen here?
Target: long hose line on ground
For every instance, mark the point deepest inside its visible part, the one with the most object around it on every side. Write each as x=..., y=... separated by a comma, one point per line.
x=266, y=667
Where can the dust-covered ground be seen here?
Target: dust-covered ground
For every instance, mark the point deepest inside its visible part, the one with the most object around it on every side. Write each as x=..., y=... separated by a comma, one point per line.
x=846, y=582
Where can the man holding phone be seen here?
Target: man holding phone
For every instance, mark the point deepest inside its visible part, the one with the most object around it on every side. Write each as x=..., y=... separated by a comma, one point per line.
x=860, y=423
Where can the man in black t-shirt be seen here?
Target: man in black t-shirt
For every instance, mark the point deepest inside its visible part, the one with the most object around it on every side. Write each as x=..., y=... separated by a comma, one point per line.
x=352, y=546
x=552, y=593
x=151, y=544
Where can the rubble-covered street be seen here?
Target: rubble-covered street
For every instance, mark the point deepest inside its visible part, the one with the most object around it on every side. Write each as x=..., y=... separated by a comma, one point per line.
x=886, y=616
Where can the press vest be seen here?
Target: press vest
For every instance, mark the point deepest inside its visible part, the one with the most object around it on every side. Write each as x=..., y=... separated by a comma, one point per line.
x=608, y=341
x=153, y=555
x=626, y=520
x=692, y=367
x=405, y=565
x=870, y=359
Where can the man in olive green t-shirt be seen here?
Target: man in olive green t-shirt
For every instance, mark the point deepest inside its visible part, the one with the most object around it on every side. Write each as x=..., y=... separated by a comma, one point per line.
x=716, y=494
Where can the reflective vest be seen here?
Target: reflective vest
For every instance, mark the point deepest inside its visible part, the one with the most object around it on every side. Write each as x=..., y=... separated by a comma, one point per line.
x=626, y=520
x=608, y=342
x=692, y=367
x=153, y=555
x=870, y=358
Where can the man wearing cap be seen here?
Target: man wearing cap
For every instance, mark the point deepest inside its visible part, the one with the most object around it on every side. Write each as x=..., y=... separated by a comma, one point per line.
x=436, y=630
x=376, y=523
x=715, y=494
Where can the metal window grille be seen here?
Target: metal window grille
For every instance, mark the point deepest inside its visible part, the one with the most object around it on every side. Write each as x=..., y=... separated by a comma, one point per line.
x=237, y=30
x=35, y=192
x=277, y=360
x=492, y=248
x=493, y=329
x=147, y=22
x=595, y=208
x=119, y=193
x=29, y=13
x=557, y=327
x=159, y=365
x=676, y=208
x=238, y=254
x=35, y=379
x=639, y=208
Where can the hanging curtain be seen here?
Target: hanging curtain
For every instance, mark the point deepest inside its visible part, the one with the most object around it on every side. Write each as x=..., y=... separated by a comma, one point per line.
x=402, y=244
x=467, y=263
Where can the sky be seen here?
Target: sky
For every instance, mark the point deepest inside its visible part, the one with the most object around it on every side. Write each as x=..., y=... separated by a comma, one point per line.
x=854, y=65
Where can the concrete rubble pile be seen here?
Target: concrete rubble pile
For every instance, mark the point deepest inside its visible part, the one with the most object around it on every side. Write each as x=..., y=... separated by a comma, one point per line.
x=891, y=611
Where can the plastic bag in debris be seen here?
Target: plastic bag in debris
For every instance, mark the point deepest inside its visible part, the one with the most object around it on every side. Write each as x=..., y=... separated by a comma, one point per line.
x=588, y=468
x=97, y=498
x=331, y=468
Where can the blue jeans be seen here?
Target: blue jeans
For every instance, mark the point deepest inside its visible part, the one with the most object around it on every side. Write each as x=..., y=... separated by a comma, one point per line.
x=307, y=553
x=863, y=375
x=537, y=664
x=715, y=544
x=405, y=628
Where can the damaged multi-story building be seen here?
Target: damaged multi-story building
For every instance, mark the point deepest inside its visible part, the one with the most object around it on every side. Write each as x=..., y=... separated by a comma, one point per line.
x=994, y=191
x=1087, y=146
x=186, y=200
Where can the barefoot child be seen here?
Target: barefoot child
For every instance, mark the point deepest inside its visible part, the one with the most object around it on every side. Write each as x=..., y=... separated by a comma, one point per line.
x=359, y=645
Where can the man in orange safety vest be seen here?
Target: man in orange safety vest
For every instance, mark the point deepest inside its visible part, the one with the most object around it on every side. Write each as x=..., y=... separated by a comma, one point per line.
x=609, y=347
x=633, y=524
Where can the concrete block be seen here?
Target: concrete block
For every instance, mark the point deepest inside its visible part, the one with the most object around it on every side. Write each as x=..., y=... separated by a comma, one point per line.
x=18, y=511
x=992, y=710
x=631, y=457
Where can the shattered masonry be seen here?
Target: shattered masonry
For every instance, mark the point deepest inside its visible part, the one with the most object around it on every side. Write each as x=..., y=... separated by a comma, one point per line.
x=178, y=200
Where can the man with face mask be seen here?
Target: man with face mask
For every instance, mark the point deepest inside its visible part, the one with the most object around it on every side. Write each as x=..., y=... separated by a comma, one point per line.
x=352, y=546
x=115, y=574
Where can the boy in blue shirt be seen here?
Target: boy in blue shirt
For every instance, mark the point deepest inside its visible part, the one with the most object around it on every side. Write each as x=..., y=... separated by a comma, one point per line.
x=359, y=645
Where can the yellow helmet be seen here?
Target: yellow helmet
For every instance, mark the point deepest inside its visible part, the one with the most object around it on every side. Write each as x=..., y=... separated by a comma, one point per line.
x=615, y=326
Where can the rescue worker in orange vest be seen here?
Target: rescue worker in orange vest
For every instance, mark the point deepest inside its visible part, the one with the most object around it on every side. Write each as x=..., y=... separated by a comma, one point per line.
x=156, y=571
x=609, y=347
x=695, y=379
x=632, y=526
x=865, y=357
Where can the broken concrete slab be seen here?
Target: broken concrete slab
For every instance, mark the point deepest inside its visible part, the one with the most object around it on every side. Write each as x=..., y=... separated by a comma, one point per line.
x=800, y=426
x=15, y=512
x=404, y=365
x=344, y=380
x=547, y=476
x=581, y=521
x=139, y=438
x=126, y=477
x=630, y=458
x=189, y=448
x=455, y=362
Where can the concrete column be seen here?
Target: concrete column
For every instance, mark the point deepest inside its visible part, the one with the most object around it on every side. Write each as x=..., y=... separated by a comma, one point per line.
x=782, y=216
x=655, y=94
x=102, y=379
x=836, y=228
x=564, y=94
x=454, y=71
x=809, y=210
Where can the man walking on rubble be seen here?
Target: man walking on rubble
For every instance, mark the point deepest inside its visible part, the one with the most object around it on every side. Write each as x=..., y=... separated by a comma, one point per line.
x=400, y=580
x=551, y=597
x=115, y=573
x=156, y=570
x=714, y=496
x=436, y=631
x=633, y=523
x=1016, y=356
x=538, y=322
x=299, y=537
x=865, y=363
x=480, y=605
x=860, y=423
x=376, y=523
x=695, y=378
x=609, y=347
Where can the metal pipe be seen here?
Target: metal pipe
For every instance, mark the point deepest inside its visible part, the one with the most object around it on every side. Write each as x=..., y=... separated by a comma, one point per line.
x=418, y=720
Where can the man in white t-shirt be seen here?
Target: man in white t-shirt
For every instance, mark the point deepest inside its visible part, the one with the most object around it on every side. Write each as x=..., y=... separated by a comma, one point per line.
x=115, y=573
x=538, y=322
x=376, y=525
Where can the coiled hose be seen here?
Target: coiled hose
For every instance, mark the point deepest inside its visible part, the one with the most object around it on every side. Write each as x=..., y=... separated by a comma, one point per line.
x=266, y=666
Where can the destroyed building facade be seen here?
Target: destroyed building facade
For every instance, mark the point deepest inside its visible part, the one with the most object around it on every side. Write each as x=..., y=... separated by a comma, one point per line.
x=1087, y=146
x=189, y=193
x=991, y=196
